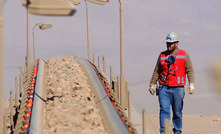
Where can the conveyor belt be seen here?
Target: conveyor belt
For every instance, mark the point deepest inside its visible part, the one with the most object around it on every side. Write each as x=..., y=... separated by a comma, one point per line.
x=31, y=109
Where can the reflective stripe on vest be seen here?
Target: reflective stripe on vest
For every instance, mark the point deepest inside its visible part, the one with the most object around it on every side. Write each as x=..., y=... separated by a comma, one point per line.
x=180, y=80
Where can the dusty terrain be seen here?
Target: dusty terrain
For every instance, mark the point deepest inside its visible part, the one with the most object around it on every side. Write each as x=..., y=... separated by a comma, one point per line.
x=192, y=124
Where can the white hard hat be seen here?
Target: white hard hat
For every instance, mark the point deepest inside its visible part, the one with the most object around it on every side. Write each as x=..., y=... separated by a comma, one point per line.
x=172, y=37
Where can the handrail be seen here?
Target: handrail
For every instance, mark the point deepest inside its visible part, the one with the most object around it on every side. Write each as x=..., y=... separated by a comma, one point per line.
x=38, y=107
x=25, y=111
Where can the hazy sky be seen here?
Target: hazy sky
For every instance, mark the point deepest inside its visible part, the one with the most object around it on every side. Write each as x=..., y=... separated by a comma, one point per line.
x=146, y=24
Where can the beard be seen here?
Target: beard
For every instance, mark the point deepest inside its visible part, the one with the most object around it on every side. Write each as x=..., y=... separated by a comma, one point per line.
x=171, y=49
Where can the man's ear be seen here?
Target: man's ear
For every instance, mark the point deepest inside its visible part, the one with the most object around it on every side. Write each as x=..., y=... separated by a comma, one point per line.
x=176, y=44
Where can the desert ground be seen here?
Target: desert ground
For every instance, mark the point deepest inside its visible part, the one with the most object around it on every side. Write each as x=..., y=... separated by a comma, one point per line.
x=192, y=124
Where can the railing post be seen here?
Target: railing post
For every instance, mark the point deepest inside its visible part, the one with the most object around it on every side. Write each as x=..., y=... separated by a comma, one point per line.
x=104, y=66
x=122, y=92
x=126, y=94
x=111, y=78
x=99, y=67
x=144, y=120
x=93, y=59
x=11, y=111
x=118, y=89
x=129, y=106
x=16, y=93
x=20, y=83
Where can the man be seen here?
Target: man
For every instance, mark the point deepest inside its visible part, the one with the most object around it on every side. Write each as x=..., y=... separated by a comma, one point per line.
x=170, y=71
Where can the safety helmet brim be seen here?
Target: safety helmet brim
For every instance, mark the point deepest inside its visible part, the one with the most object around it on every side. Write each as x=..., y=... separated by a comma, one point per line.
x=169, y=41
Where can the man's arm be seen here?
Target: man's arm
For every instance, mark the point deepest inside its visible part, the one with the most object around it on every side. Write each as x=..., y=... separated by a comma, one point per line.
x=154, y=78
x=189, y=69
x=190, y=74
x=155, y=75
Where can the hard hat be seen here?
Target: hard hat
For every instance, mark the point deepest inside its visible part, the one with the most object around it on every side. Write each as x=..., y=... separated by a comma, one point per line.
x=172, y=37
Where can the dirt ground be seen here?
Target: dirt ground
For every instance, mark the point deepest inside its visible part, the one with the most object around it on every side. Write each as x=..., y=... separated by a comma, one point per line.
x=192, y=124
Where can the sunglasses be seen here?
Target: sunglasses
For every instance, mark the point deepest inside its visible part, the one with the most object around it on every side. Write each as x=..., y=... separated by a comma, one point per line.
x=170, y=43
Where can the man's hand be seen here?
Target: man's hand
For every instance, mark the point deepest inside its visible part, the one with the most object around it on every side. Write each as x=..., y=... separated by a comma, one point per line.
x=191, y=88
x=152, y=89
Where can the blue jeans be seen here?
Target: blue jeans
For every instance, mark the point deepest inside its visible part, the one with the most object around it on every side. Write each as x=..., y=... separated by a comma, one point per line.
x=171, y=96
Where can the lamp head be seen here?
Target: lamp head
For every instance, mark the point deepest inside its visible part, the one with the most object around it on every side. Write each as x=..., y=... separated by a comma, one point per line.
x=51, y=7
x=100, y=2
x=75, y=2
x=44, y=26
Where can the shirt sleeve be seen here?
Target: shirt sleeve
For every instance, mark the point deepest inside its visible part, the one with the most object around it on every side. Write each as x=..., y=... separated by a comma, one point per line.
x=155, y=75
x=189, y=68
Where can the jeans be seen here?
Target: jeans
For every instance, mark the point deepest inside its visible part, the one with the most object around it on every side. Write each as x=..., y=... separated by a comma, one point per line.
x=171, y=96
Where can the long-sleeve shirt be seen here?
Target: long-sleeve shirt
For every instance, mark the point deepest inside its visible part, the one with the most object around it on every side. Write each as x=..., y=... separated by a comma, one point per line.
x=188, y=69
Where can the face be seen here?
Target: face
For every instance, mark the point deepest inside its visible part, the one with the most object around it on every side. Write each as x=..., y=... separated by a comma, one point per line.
x=171, y=46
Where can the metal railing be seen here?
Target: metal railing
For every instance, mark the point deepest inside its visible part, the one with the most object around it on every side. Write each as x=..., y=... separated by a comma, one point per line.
x=25, y=109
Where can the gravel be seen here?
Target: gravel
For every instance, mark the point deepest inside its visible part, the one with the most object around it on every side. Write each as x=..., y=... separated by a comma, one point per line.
x=70, y=106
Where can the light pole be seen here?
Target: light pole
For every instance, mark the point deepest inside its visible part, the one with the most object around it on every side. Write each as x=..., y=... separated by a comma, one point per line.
x=41, y=26
x=1, y=63
x=122, y=86
x=100, y=2
x=88, y=35
x=28, y=47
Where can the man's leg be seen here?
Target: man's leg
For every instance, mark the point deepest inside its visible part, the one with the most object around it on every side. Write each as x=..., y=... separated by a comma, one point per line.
x=164, y=101
x=177, y=107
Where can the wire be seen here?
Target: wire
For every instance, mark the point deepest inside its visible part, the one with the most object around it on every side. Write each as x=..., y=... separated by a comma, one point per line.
x=140, y=109
x=101, y=99
x=40, y=97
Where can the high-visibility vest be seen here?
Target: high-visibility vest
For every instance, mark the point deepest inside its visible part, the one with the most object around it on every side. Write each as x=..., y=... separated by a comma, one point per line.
x=176, y=74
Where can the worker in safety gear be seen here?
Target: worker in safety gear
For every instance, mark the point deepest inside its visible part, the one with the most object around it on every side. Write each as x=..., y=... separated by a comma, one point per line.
x=170, y=72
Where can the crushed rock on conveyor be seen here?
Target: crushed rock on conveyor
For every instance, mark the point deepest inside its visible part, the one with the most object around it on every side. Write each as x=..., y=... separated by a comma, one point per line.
x=70, y=106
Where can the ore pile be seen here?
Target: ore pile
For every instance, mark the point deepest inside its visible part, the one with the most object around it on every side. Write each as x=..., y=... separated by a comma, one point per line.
x=70, y=106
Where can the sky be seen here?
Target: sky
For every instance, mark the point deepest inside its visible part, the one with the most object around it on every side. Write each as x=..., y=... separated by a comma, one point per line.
x=146, y=24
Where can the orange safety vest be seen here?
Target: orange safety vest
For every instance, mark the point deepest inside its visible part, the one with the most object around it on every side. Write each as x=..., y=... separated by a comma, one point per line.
x=176, y=75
